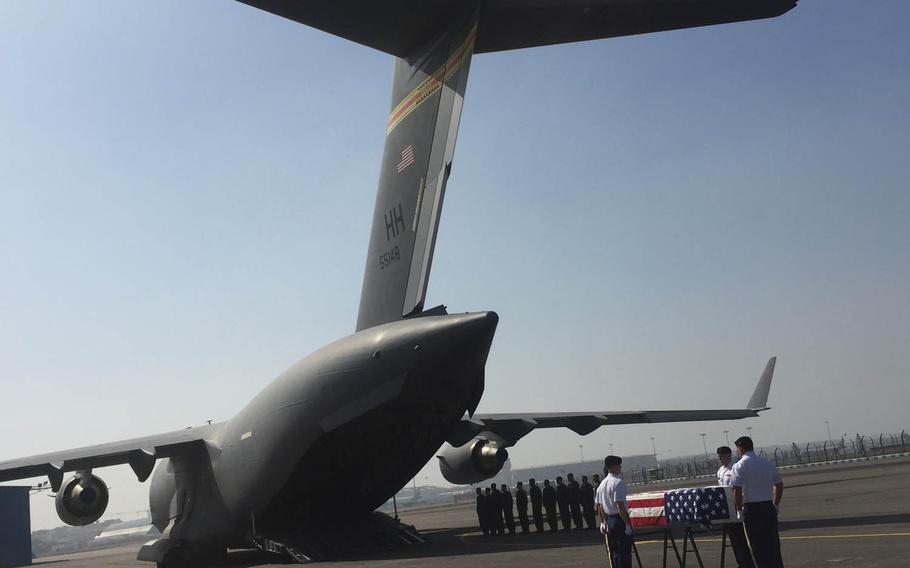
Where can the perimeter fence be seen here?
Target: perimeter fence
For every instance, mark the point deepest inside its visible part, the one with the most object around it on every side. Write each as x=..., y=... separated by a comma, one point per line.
x=797, y=453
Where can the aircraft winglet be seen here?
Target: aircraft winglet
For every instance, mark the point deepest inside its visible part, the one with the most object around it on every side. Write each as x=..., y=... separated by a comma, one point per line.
x=759, y=400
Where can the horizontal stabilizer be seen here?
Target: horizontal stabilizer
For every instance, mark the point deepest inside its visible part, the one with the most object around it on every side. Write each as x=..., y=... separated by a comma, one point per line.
x=400, y=27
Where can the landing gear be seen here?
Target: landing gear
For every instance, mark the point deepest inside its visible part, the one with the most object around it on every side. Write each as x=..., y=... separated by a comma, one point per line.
x=168, y=554
x=174, y=558
x=178, y=558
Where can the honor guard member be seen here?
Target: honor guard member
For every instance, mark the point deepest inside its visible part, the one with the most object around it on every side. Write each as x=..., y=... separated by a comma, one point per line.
x=536, y=504
x=613, y=506
x=549, y=503
x=482, y=512
x=562, y=499
x=734, y=530
x=757, y=490
x=587, y=501
x=574, y=500
x=496, y=510
x=508, y=514
x=521, y=501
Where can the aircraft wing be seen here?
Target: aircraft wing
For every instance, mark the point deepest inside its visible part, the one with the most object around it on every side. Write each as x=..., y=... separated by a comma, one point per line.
x=512, y=427
x=401, y=27
x=140, y=453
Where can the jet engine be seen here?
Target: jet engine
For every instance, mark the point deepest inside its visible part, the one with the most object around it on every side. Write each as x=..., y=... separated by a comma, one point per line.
x=475, y=461
x=82, y=500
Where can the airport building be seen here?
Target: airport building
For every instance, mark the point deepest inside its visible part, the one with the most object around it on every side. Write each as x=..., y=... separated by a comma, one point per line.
x=638, y=467
x=15, y=527
x=591, y=467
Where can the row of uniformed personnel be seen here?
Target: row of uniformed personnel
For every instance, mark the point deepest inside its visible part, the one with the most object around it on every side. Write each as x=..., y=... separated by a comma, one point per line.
x=570, y=502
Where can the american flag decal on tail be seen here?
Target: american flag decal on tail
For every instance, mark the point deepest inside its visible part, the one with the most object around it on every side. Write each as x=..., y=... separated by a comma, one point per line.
x=407, y=158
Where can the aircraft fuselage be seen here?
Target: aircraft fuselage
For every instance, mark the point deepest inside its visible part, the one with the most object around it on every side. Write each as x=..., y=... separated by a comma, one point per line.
x=338, y=433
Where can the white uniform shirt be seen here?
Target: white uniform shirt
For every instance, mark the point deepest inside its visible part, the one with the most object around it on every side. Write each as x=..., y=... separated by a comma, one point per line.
x=612, y=490
x=725, y=476
x=755, y=475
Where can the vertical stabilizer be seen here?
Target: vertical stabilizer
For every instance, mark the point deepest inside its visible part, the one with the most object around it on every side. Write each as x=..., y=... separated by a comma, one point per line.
x=427, y=98
x=759, y=399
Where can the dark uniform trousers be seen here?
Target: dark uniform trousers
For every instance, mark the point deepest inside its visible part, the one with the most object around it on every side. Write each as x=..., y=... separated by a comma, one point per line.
x=538, y=516
x=482, y=516
x=508, y=516
x=521, y=501
x=737, y=535
x=620, y=542
x=760, y=520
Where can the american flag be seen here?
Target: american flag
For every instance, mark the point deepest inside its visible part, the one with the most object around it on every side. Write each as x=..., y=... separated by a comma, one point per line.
x=647, y=509
x=702, y=505
x=407, y=158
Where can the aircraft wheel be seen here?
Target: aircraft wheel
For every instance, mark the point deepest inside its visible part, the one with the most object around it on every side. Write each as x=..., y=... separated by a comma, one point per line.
x=174, y=559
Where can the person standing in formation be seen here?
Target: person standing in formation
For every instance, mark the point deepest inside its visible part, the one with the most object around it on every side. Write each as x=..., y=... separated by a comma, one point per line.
x=574, y=501
x=495, y=502
x=482, y=512
x=536, y=504
x=488, y=511
x=508, y=514
x=734, y=530
x=757, y=491
x=587, y=501
x=549, y=503
x=562, y=499
x=521, y=501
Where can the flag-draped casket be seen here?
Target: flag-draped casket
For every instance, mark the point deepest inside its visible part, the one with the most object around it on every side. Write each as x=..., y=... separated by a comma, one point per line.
x=700, y=505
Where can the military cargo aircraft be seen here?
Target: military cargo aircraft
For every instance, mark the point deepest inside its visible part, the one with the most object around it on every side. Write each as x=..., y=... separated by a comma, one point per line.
x=366, y=412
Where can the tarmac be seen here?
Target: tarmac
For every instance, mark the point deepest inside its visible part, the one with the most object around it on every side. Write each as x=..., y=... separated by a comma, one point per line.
x=855, y=514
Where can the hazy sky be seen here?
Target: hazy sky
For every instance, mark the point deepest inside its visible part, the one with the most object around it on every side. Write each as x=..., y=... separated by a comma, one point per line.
x=186, y=191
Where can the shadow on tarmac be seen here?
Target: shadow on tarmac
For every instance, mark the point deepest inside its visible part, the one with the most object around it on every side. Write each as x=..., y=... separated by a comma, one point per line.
x=463, y=541
x=446, y=542
x=845, y=522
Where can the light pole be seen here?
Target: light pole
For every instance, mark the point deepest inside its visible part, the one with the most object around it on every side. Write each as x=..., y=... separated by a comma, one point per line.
x=828, y=427
x=749, y=430
x=704, y=445
x=654, y=451
x=727, y=435
x=581, y=448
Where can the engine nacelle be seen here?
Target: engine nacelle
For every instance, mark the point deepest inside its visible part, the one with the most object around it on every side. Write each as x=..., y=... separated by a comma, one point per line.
x=473, y=462
x=82, y=500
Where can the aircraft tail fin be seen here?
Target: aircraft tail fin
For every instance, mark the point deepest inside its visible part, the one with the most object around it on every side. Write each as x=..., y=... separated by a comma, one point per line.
x=427, y=98
x=759, y=399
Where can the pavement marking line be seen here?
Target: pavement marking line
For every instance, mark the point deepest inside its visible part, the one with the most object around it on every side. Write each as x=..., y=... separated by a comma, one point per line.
x=464, y=538
x=804, y=537
x=870, y=535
